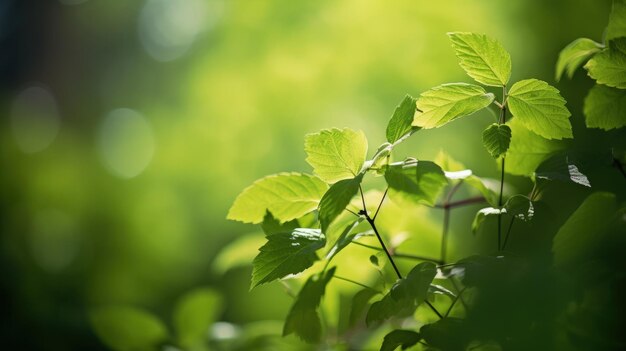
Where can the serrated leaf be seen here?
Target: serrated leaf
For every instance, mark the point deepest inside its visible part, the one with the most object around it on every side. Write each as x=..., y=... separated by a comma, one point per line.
x=482, y=214
x=520, y=207
x=617, y=21
x=608, y=67
x=528, y=150
x=400, y=337
x=359, y=303
x=271, y=225
x=559, y=167
x=541, y=108
x=286, y=195
x=496, y=139
x=447, y=102
x=336, y=154
x=286, y=253
x=574, y=55
x=194, y=314
x=303, y=318
x=417, y=181
x=585, y=230
x=336, y=199
x=482, y=58
x=125, y=328
x=400, y=123
x=605, y=108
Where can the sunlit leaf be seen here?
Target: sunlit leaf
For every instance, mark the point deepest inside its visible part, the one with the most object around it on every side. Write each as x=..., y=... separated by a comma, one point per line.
x=344, y=238
x=617, y=21
x=447, y=102
x=574, y=55
x=585, y=230
x=400, y=337
x=605, y=108
x=286, y=253
x=193, y=315
x=483, y=58
x=336, y=154
x=541, y=108
x=401, y=120
x=337, y=199
x=528, y=150
x=608, y=67
x=417, y=181
x=486, y=187
x=286, y=195
x=125, y=328
x=303, y=318
x=271, y=225
x=482, y=214
x=496, y=139
x=559, y=167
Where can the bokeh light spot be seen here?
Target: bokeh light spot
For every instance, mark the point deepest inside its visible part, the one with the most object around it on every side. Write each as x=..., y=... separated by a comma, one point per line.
x=34, y=119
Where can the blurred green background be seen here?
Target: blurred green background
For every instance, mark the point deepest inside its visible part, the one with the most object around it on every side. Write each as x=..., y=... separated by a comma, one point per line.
x=131, y=126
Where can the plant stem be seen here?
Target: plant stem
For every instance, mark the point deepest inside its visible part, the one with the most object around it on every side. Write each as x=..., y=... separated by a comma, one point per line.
x=458, y=296
x=446, y=220
x=400, y=255
x=354, y=282
x=501, y=121
x=380, y=204
x=508, y=232
x=460, y=203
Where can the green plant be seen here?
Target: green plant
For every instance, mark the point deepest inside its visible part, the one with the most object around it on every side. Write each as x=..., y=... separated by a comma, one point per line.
x=509, y=300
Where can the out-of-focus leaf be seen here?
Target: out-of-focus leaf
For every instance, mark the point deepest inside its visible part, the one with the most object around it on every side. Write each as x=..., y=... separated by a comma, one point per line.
x=286, y=195
x=400, y=337
x=401, y=120
x=608, y=67
x=125, y=328
x=445, y=334
x=541, y=108
x=617, y=20
x=303, y=318
x=559, y=167
x=483, y=58
x=528, y=150
x=484, y=187
x=286, y=253
x=417, y=181
x=359, y=303
x=447, y=102
x=193, y=316
x=496, y=139
x=240, y=252
x=574, y=55
x=605, y=108
x=337, y=199
x=336, y=154
x=520, y=207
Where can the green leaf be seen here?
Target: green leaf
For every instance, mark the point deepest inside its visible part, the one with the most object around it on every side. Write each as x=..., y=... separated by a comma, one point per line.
x=125, y=328
x=585, y=230
x=344, y=238
x=388, y=307
x=359, y=303
x=447, y=102
x=486, y=187
x=240, y=252
x=336, y=199
x=336, y=154
x=400, y=123
x=482, y=214
x=608, y=67
x=271, y=225
x=400, y=337
x=446, y=334
x=194, y=314
x=559, y=167
x=417, y=181
x=605, y=108
x=303, y=318
x=574, y=55
x=540, y=108
x=520, y=207
x=286, y=195
x=286, y=253
x=483, y=58
x=617, y=21
x=496, y=139
x=528, y=150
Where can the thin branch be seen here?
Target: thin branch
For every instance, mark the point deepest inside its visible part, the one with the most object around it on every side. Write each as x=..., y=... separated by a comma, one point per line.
x=617, y=164
x=446, y=220
x=502, y=121
x=398, y=254
x=460, y=203
x=356, y=283
x=363, y=199
x=508, y=232
x=380, y=204
x=458, y=292
x=458, y=296
x=354, y=213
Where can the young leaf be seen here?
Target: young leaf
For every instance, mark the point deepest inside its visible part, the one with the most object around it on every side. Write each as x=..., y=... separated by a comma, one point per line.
x=559, y=167
x=286, y=253
x=483, y=58
x=520, y=207
x=400, y=123
x=447, y=102
x=482, y=214
x=585, y=230
x=528, y=150
x=417, y=181
x=125, y=328
x=336, y=154
x=194, y=314
x=303, y=318
x=286, y=195
x=605, y=108
x=496, y=139
x=574, y=55
x=540, y=108
x=608, y=67
x=617, y=21
x=336, y=199
x=400, y=337
x=359, y=302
